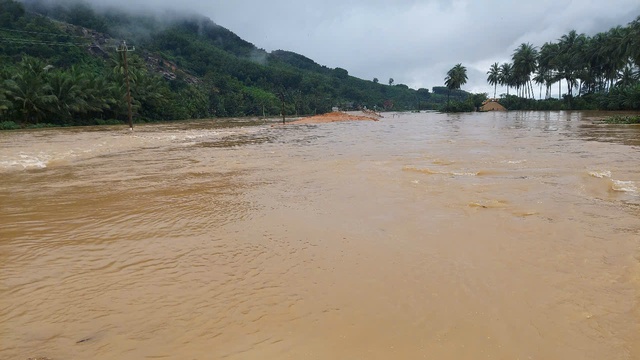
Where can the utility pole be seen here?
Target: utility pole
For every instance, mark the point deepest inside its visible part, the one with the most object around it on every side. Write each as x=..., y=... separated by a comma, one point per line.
x=282, y=99
x=124, y=50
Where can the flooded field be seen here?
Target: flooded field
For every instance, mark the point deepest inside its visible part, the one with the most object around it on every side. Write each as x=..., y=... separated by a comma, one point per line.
x=476, y=236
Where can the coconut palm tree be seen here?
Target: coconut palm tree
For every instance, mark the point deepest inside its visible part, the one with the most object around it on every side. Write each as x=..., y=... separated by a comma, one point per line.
x=4, y=103
x=616, y=52
x=627, y=77
x=633, y=38
x=494, y=77
x=593, y=75
x=547, y=69
x=100, y=94
x=29, y=90
x=570, y=58
x=506, y=76
x=525, y=62
x=540, y=79
x=456, y=77
x=151, y=94
x=68, y=88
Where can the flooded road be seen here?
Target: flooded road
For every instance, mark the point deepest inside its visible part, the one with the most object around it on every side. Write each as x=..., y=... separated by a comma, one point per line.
x=474, y=236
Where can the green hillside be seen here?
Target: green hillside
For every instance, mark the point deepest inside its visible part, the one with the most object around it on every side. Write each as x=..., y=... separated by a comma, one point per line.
x=60, y=67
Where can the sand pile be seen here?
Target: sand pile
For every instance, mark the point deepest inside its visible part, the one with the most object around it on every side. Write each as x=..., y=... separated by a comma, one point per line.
x=338, y=116
x=492, y=105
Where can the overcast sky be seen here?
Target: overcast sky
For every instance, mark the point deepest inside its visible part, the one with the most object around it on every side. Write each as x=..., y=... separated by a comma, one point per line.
x=413, y=41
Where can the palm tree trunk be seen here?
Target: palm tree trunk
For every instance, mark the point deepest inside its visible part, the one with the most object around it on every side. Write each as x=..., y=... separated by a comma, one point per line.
x=559, y=89
x=540, y=92
x=531, y=89
x=580, y=88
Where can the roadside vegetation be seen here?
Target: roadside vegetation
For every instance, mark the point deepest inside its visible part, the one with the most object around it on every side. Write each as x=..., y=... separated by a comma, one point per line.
x=600, y=72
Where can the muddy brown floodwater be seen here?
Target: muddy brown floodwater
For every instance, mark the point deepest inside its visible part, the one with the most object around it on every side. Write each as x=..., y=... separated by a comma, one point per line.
x=478, y=236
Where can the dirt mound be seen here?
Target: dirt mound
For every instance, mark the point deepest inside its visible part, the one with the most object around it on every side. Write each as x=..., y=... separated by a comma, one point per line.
x=338, y=116
x=492, y=105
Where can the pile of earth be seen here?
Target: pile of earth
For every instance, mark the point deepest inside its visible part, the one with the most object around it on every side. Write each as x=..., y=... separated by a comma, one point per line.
x=337, y=116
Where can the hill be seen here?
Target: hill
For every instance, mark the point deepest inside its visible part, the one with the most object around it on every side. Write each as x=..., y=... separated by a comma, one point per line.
x=60, y=66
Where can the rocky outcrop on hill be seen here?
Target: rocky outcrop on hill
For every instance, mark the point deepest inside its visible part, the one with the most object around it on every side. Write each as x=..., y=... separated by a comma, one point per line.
x=102, y=45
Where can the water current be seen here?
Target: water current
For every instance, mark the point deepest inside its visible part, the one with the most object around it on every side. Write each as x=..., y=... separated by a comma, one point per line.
x=421, y=236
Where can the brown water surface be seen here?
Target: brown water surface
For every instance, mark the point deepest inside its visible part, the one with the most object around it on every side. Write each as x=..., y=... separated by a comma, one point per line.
x=477, y=236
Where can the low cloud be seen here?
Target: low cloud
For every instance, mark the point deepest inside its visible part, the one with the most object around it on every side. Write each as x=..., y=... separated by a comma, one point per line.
x=413, y=41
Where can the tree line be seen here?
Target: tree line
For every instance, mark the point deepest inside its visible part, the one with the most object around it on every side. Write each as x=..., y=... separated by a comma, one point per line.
x=601, y=69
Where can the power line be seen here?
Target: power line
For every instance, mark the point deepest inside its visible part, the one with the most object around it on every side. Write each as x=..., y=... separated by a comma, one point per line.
x=39, y=42
x=55, y=43
x=41, y=33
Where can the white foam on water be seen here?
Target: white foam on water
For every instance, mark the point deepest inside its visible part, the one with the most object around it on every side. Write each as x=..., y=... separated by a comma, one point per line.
x=436, y=172
x=600, y=174
x=513, y=161
x=450, y=173
x=26, y=161
x=624, y=186
x=464, y=173
x=54, y=155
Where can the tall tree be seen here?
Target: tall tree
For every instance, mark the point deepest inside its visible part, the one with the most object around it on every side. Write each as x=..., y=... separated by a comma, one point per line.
x=456, y=77
x=569, y=59
x=525, y=62
x=547, y=69
x=506, y=76
x=633, y=38
x=494, y=77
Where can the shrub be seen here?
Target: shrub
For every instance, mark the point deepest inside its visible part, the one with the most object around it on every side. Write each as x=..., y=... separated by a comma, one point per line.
x=108, y=122
x=621, y=119
x=458, y=106
x=42, y=126
x=9, y=125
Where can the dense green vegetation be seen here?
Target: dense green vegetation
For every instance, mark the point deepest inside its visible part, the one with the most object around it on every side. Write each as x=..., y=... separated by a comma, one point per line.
x=59, y=67
x=601, y=69
x=620, y=119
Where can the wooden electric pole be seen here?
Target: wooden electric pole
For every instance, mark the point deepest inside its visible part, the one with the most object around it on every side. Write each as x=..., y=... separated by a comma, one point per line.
x=282, y=99
x=124, y=50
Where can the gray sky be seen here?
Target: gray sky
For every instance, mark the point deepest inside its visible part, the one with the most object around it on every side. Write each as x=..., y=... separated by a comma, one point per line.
x=413, y=41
